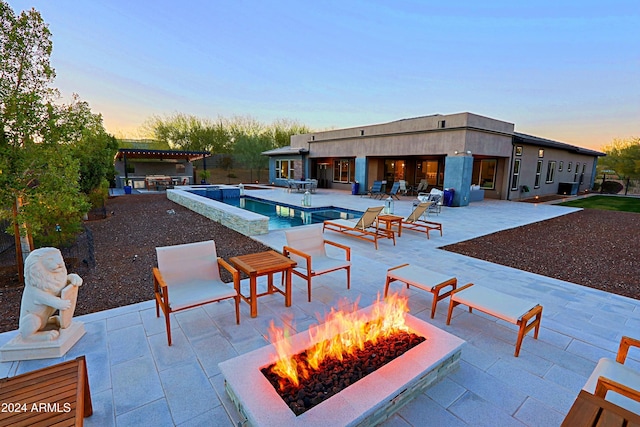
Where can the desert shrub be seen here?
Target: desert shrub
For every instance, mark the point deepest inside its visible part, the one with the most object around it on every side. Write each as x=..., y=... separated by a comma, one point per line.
x=596, y=186
x=611, y=187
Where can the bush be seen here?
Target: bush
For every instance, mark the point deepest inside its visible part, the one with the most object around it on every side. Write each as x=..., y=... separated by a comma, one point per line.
x=611, y=187
x=596, y=186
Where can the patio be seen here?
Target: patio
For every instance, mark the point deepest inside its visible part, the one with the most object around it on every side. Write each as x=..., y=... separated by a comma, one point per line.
x=136, y=379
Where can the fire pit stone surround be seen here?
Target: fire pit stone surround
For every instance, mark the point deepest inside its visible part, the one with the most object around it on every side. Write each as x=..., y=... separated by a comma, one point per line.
x=369, y=401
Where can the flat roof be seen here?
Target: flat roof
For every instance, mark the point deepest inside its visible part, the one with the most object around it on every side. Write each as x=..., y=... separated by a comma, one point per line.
x=134, y=153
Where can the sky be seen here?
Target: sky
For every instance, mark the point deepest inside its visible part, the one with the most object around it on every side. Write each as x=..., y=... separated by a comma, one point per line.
x=563, y=70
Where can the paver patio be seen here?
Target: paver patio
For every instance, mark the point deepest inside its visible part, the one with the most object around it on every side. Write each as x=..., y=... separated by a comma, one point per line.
x=136, y=379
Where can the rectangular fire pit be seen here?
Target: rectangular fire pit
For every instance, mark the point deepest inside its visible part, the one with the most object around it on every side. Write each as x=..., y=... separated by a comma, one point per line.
x=369, y=401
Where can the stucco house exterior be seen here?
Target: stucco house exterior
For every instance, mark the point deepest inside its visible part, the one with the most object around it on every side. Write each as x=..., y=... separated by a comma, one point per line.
x=453, y=151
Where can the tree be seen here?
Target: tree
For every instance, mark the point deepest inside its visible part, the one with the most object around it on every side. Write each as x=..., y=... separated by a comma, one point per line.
x=623, y=157
x=248, y=149
x=39, y=167
x=189, y=133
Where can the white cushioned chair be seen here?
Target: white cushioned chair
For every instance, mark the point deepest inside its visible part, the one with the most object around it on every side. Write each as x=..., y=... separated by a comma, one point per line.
x=621, y=383
x=188, y=276
x=307, y=246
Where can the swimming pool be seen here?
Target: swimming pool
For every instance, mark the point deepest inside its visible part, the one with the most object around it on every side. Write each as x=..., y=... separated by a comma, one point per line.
x=282, y=215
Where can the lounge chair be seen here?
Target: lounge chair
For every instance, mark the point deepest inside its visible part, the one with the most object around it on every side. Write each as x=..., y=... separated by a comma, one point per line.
x=404, y=188
x=366, y=228
x=394, y=190
x=422, y=186
x=376, y=190
x=188, y=276
x=620, y=383
x=307, y=246
x=413, y=221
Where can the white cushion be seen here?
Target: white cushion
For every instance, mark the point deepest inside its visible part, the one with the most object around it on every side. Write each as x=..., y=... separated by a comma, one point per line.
x=502, y=306
x=323, y=264
x=419, y=277
x=617, y=372
x=195, y=292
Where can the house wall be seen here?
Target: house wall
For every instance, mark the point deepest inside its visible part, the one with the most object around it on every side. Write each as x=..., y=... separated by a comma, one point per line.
x=440, y=137
x=530, y=158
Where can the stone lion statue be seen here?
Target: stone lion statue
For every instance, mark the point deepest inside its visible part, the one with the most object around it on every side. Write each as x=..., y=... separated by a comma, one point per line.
x=47, y=288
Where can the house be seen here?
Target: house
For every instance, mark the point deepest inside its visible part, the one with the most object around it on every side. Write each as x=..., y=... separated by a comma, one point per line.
x=454, y=151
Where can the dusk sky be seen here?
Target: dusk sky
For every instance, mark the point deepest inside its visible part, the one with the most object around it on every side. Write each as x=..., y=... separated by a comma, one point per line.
x=562, y=70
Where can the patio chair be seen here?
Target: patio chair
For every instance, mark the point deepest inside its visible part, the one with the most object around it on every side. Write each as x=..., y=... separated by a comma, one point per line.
x=413, y=221
x=422, y=186
x=188, y=276
x=404, y=188
x=376, y=190
x=394, y=190
x=307, y=246
x=365, y=229
x=616, y=382
x=314, y=185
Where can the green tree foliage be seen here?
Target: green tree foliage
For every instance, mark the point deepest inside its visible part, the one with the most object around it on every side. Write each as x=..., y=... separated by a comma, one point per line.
x=189, y=133
x=243, y=136
x=623, y=156
x=41, y=142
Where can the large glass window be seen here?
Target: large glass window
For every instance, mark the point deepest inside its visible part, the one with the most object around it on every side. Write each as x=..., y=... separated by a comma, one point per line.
x=284, y=169
x=538, y=172
x=551, y=170
x=515, y=177
x=343, y=170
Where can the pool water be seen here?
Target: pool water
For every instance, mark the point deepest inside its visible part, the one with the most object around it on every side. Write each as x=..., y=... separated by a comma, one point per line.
x=286, y=216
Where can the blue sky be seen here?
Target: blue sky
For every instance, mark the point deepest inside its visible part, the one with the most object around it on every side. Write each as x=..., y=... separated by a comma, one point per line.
x=567, y=71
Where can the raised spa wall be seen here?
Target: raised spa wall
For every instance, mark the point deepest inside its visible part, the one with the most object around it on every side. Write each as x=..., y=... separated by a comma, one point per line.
x=240, y=220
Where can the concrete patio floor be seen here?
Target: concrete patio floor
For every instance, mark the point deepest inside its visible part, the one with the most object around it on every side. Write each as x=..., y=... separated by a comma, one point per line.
x=136, y=379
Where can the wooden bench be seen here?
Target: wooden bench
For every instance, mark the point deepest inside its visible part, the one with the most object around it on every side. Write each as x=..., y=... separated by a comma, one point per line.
x=56, y=395
x=426, y=280
x=525, y=314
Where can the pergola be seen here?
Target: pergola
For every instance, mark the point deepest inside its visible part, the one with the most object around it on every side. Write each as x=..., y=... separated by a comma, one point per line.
x=134, y=153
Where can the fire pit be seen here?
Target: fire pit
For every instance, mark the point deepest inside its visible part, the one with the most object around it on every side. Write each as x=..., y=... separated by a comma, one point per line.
x=368, y=401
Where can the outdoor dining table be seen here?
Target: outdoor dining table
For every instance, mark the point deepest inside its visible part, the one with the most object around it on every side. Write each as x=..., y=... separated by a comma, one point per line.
x=260, y=264
x=301, y=185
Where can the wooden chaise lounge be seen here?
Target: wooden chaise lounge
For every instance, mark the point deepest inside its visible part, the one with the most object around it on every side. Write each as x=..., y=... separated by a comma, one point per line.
x=367, y=227
x=414, y=221
x=525, y=314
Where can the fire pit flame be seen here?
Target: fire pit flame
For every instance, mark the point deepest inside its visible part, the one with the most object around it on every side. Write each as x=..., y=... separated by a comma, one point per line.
x=341, y=333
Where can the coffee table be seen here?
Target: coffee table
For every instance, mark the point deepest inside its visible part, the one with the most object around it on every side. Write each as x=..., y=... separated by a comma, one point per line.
x=260, y=264
x=389, y=220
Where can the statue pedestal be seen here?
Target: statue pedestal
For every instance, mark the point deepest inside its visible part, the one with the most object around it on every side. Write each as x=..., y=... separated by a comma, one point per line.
x=18, y=349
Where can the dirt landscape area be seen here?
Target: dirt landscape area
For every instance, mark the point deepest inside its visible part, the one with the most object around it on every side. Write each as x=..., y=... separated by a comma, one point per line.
x=593, y=248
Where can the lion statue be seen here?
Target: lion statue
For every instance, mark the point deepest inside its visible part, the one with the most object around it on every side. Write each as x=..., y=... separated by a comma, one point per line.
x=47, y=288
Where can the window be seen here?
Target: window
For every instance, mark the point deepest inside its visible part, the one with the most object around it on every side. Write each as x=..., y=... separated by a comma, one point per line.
x=569, y=167
x=541, y=153
x=519, y=150
x=551, y=169
x=584, y=166
x=284, y=169
x=343, y=170
x=575, y=175
x=560, y=166
x=362, y=132
x=538, y=172
x=516, y=175
x=487, y=178
x=442, y=124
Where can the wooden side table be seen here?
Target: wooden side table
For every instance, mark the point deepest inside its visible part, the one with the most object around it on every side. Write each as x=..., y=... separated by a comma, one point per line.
x=56, y=395
x=389, y=220
x=261, y=264
x=589, y=410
